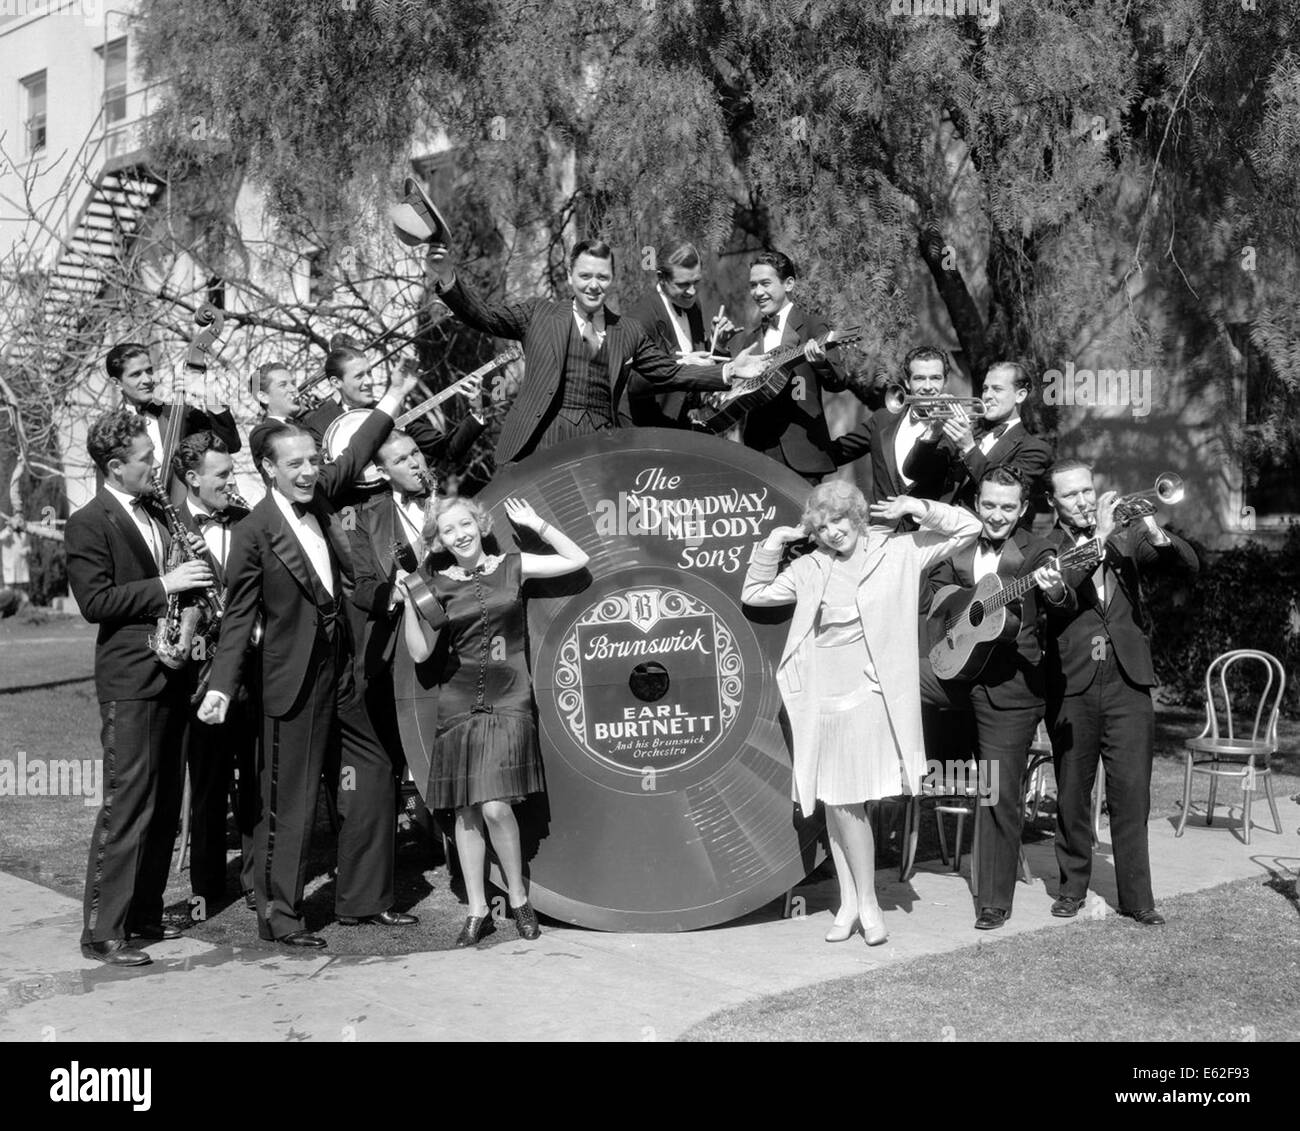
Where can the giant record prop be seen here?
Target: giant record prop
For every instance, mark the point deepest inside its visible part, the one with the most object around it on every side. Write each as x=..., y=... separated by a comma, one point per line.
x=667, y=769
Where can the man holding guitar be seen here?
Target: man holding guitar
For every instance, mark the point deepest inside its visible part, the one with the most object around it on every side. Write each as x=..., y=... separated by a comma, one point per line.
x=354, y=383
x=1002, y=682
x=1100, y=677
x=791, y=426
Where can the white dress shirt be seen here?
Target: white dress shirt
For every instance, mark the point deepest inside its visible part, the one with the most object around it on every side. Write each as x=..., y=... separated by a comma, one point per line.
x=311, y=538
x=986, y=560
x=596, y=322
x=681, y=327
x=144, y=523
x=986, y=442
x=909, y=431
x=773, y=336
x=215, y=534
x=410, y=520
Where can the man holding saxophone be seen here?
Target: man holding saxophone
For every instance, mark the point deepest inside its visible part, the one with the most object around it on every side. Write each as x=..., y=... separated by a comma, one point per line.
x=1099, y=680
x=117, y=545
x=210, y=510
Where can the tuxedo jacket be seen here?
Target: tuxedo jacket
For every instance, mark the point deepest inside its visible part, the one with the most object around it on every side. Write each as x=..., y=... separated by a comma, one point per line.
x=1028, y=454
x=660, y=406
x=792, y=426
x=373, y=566
x=544, y=325
x=1014, y=673
x=267, y=571
x=1078, y=634
x=926, y=464
x=115, y=580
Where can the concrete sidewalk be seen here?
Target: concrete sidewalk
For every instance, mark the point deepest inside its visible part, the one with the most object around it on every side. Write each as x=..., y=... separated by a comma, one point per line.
x=570, y=985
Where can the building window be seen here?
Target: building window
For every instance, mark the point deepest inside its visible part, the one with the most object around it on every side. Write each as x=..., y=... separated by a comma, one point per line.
x=34, y=112
x=1271, y=452
x=113, y=57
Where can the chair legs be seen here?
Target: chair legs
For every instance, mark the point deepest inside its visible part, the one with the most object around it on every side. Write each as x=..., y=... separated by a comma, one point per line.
x=1272, y=804
x=1214, y=790
x=911, y=834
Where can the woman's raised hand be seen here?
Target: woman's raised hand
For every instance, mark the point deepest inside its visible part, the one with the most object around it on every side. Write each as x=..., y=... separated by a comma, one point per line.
x=522, y=514
x=780, y=536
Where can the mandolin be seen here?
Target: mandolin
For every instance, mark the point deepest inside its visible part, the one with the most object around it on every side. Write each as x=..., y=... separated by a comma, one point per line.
x=966, y=624
x=730, y=408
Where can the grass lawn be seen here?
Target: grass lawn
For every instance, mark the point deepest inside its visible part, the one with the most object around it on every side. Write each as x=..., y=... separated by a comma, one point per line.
x=1226, y=968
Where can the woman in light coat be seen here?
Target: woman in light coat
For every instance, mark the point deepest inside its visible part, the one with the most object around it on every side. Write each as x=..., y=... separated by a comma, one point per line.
x=850, y=670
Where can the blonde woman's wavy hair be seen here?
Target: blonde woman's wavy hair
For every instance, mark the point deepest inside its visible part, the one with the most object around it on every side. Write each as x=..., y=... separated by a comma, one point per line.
x=833, y=500
x=440, y=506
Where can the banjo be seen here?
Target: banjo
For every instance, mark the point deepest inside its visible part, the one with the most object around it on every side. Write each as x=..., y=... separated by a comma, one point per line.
x=343, y=427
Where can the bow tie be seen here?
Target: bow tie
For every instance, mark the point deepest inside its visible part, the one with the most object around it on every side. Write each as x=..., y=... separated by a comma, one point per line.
x=986, y=543
x=771, y=322
x=682, y=311
x=996, y=430
x=139, y=502
x=149, y=409
x=413, y=497
x=202, y=520
x=300, y=509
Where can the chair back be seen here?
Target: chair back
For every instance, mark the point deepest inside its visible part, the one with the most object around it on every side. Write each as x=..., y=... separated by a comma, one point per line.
x=1264, y=724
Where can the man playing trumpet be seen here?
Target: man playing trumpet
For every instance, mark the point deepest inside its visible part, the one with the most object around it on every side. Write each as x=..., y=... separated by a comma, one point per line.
x=1099, y=684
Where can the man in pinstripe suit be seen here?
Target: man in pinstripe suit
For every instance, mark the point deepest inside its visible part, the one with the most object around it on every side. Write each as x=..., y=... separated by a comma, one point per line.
x=578, y=355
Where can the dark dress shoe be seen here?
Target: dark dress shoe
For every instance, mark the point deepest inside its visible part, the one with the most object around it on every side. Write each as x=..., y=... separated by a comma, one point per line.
x=526, y=921
x=1148, y=918
x=154, y=932
x=115, y=952
x=991, y=918
x=250, y=899
x=1066, y=907
x=389, y=918
x=303, y=939
x=476, y=926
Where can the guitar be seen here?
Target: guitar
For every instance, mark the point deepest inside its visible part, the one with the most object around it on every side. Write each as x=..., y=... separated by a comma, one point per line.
x=343, y=427
x=965, y=625
x=722, y=410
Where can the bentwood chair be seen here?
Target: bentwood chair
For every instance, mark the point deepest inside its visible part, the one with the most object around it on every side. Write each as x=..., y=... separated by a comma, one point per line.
x=1225, y=751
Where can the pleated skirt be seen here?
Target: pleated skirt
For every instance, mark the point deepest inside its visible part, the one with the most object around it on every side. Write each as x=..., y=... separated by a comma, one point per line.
x=484, y=757
x=857, y=756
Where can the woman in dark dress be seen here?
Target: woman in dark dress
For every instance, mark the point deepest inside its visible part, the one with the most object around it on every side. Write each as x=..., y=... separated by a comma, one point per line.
x=485, y=754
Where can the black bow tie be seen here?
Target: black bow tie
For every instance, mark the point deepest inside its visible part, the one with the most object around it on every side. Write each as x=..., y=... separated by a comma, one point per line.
x=149, y=409
x=996, y=430
x=682, y=310
x=771, y=322
x=986, y=543
x=202, y=520
x=139, y=502
x=412, y=497
x=300, y=509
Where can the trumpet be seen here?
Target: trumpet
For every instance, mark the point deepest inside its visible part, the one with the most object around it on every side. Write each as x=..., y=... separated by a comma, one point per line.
x=308, y=400
x=941, y=407
x=1168, y=489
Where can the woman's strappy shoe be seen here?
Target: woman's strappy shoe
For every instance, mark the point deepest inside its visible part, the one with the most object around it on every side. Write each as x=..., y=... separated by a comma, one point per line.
x=526, y=921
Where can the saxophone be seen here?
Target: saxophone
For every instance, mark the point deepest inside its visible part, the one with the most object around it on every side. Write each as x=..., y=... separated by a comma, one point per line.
x=191, y=616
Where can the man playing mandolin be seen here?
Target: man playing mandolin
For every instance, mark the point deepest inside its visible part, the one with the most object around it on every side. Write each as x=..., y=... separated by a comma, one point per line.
x=791, y=426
